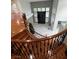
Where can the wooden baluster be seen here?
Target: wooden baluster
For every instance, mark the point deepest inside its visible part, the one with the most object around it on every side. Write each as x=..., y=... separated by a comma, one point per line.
x=39, y=52
x=57, y=43
x=46, y=47
x=26, y=46
x=13, y=48
x=54, y=43
x=25, y=51
x=42, y=47
x=50, y=46
x=21, y=49
x=31, y=49
x=18, y=48
x=50, y=43
x=35, y=50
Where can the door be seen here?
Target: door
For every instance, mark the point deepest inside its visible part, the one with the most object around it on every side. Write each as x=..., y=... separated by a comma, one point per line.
x=41, y=17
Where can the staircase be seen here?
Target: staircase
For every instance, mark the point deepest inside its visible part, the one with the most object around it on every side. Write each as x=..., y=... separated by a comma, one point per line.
x=24, y=45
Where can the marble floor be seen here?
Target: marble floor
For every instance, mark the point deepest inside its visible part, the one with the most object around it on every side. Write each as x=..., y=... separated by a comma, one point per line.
x=44, y=29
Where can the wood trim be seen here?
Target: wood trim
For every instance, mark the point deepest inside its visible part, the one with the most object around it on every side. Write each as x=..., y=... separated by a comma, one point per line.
x=39, y=39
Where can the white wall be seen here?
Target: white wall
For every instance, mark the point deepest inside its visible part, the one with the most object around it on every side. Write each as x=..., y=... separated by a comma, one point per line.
x=54, y=9
x=61, y=12
x=18, y=5
x=26, y=8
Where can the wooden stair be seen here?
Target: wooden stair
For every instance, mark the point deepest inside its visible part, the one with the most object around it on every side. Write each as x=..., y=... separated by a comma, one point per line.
x=25, y=45
x=38, y=48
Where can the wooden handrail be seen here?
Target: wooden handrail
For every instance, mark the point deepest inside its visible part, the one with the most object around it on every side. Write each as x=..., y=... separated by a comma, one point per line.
x=40, y=39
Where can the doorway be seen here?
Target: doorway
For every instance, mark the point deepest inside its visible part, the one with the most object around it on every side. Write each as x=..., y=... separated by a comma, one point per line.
x=41, y=17
x=44, y=11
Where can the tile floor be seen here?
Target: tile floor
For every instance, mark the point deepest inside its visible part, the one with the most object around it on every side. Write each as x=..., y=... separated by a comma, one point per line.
x=44, y=30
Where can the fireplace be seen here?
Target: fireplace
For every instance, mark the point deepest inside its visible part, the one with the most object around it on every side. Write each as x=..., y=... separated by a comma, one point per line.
x=41, y=17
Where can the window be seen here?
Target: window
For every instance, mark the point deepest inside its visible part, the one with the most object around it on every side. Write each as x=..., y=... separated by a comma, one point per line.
x=36, y=20
x=35, y=10
x=47, y=9
x=43, y=9
x=47, y=14
x=39, y=9
x=35, y=14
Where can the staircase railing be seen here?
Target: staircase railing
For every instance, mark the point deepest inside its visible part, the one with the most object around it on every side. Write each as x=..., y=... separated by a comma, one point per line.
x=37, y=48
x=26, y=46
